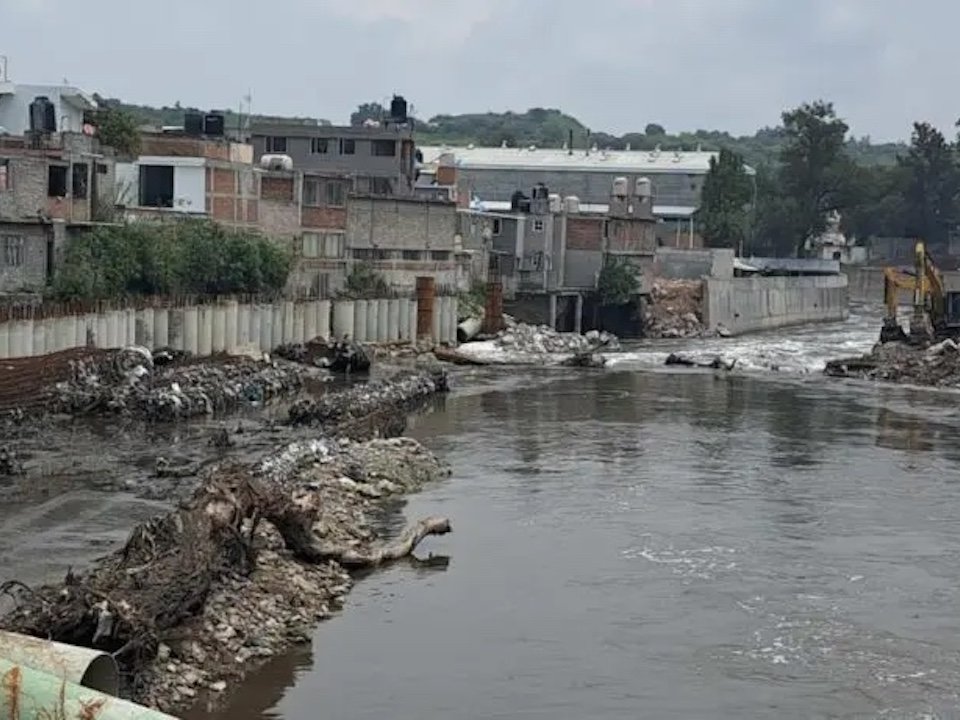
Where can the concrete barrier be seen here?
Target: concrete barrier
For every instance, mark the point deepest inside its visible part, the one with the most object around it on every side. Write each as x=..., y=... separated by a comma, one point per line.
x=191, y=328
x=373, y=320
x=383, y=320
x=161, y=327
x=299, y=323
x=218, y=323
x=343, y=318
x=404, y=318
x=324, y=319
x=288, y=322
x=265, y=340
x=244, y=325
x=5, y=330
x=311, y=311
x=130, y=327
x=436, y=321
x=865, y=284
x=204, y=330
x=360, y=333
x=86, y=327
x=412, y=321
x=393, y=320
x=232, y=326
x=749, y=304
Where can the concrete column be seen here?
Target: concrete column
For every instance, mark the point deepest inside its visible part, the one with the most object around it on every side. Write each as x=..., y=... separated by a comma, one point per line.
x=403, y=320
x=373, y=320
x=39, y=343
x=204, y=330
x=218, y=323
x=383, y=320
x=233, y=326
x=265, y=318
x=101, y=321
x=578, y=315
x=323, y=319
x=288, y=322
x=86, y=329
x=299, y=322
x=412, y=322
x=5, y=340
x=161, y=327
x=129, y=327
x=452, y=317
x=112, y=334
x=553, y=311
x=360, y=332
x=311, y=309
x=18, y=339
x=243, y=325
x=176, y=328
x=343, y=318
x=277, y=336
x=437, y=322
x=393, y=320
x=143, y=328
x=191, y=329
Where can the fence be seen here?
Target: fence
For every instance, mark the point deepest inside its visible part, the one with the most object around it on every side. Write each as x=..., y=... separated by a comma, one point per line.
x=228, y=327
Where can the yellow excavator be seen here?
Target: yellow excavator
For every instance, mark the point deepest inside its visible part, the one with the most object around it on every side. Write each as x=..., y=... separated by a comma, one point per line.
x=929, y=319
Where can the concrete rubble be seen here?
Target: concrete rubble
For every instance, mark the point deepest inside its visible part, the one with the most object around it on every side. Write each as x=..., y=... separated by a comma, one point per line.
x=129, y=382
x=249, y=619
x=522, y=344
x=934, y=366
x=674, y=310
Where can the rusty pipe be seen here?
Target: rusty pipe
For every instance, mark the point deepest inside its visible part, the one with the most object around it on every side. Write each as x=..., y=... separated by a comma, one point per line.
x=83, y=666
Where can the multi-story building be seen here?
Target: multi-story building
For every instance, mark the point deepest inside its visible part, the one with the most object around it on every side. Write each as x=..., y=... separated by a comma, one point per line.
x=67, y=106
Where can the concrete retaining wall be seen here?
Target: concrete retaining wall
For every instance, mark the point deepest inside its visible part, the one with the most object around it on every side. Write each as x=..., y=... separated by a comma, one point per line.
x=865, y=283
x=228, y=327
x=745, y=305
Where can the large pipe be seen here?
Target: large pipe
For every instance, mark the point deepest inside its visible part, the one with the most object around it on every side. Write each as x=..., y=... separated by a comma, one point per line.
x=469, y=329
x=83, y=666
x=30, y=694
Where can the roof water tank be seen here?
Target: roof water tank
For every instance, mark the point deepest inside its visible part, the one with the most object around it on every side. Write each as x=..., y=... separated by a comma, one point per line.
x=540, y=192
x=571, y=204
x=620, y=187
x=276, y=162
x=214, y=124
x=398, y=109
x=556, y=203
x=193, y=122
x=644, y=188
x=43, y=115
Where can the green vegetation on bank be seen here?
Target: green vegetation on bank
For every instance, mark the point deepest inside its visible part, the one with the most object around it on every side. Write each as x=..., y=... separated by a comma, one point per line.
x=177, y=258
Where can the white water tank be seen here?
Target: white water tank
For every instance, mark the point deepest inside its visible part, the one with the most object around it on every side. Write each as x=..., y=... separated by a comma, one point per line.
x=556, y=203
x=571, y=204
x=620, y=187
x=644, y=188
x=276, y=162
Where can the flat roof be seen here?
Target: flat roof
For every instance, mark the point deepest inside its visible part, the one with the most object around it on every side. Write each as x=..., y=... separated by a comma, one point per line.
x=505, y=206
x=607, y=161
x=382, y=132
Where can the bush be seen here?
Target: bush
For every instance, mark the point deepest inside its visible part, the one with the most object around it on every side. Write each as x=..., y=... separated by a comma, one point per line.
x=365, y=282
x=617, y=281
x=183, y=258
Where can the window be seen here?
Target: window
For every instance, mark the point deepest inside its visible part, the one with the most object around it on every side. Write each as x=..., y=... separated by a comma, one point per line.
x=12, y=250
x=335, y=193
x=319, y=146
x=348, y=147
x=311, y=192
x=276, y=144
x=321, y=285
x=381, y=186
x=497, y=227
x=362, y=253
x=415, y=255
x=440, y=255
x=538, y=225
x=384, y=148
x=57, y=181
x=323, y=245
x=78, y=180
x=156, y=186
x=102, y=169
x=5, y=179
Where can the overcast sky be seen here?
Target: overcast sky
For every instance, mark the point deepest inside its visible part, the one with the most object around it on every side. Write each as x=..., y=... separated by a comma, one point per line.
x=616, y=65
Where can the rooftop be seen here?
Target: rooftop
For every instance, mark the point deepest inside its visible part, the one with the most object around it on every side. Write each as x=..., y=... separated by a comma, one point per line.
x=533, y=158
x=292, y=129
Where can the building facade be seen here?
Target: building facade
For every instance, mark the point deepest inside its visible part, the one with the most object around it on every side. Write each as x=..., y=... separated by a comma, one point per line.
x=69, y=104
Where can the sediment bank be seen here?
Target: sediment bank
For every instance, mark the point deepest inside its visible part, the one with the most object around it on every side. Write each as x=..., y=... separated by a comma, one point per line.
x=935, y=366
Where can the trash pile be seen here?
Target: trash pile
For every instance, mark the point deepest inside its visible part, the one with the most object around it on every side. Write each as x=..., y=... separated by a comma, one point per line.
x=934, y=366
x=129, y=382
x=339, y=356
x=674, y=309
x=248, y=619
x=522, y=344
x=394, y=395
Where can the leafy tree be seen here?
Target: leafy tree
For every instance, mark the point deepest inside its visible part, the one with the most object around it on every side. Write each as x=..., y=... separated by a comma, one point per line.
x=617, y=281
x=932, y=183
x=365, y=282
x=814, y=168
x=118, y=129
x=654, y=129
x=725, y=201
x=367, y=111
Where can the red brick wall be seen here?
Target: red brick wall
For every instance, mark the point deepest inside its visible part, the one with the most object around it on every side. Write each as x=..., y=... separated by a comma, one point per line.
x=224, y=181
x=584, y=233
x=321, y=217
x=277, y=188
x=224, y=208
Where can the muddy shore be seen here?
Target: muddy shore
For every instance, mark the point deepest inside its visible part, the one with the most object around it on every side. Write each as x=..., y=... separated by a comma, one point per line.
x=896, y=362
x=259, y=596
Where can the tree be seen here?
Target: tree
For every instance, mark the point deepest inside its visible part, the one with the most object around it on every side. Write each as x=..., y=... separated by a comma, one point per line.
x=931, y=185
x=814, y=169
x=118, y=129
x=367, y=111
x=654, y=129
x=617, y=281
x=725, y=201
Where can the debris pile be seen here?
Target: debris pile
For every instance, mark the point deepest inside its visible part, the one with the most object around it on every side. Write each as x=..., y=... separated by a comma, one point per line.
x=935, y=366
x=339, y=356
x=674, y=309
x=522, y=344
x=198, y=598
x=713, y=362
x=385, y=400
x=129, y=382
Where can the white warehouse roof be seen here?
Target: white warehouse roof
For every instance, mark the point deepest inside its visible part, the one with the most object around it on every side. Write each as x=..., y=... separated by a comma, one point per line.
x=625, y=161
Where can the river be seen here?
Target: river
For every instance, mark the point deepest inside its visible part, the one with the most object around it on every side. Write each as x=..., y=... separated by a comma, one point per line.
x=641, y=543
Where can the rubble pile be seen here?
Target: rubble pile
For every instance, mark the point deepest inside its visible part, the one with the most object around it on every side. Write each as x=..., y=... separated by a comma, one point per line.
x=340, y=356
x=935, y=366
x=395, y=395
x=543, y=340
x=129, y=382
x=674, y=309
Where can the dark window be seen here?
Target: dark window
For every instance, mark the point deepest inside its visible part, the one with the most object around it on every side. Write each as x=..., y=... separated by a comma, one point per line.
x=13, y=250
x=79, y=180
x=311, y=192
x=412, y=255
x=497, y=226
x=381, y=186
x=5, y=175
x=57, y=181
x=381, y=254
x=276, y=144
x=538, y=225
x=102, y=169
x=348, y=147
x=156, y=186
x=439, y=255
x=335, y=193
x=319, y=146
x=362, y=254
x=384, y=148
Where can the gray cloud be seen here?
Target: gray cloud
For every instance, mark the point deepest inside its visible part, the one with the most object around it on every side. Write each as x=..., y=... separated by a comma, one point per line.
x=687, y=64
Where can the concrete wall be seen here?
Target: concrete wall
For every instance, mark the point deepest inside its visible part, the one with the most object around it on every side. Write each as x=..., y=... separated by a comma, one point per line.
x=865, y=283
x=228, y=327
x=23, y=256
x=693, y=264
x=15, y=107
x=745, y=305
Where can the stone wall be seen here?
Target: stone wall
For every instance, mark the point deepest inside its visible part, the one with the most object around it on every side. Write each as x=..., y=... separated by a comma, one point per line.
x=745, y=305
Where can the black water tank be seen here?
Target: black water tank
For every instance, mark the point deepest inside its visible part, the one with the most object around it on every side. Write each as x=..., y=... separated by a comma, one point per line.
x=193, y=122
x=540, y=192
x=43, y=115
x=214, y=124
x=398, y=109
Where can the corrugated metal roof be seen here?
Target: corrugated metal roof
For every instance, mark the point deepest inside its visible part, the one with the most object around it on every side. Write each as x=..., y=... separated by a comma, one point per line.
x=504, y=206
x=626, y=161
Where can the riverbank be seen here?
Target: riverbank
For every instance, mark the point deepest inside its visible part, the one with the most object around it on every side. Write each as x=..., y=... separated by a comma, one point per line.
x=895, y=362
